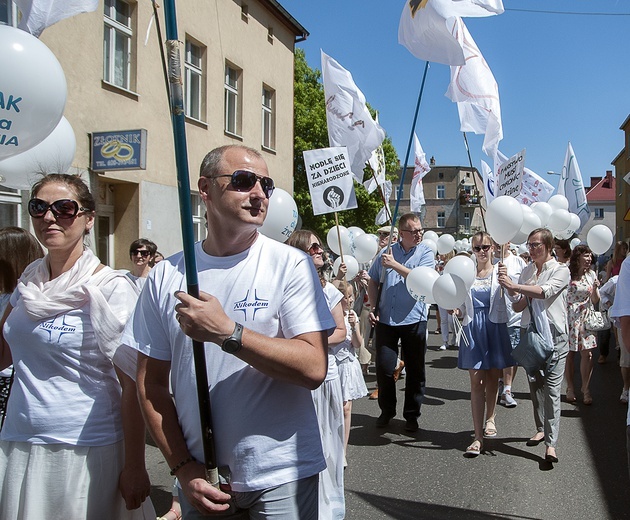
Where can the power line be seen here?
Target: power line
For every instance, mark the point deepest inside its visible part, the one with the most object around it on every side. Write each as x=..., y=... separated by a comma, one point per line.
x=566, y=12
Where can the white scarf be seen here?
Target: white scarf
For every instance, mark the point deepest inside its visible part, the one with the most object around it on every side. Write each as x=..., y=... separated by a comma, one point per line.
x=44, y=298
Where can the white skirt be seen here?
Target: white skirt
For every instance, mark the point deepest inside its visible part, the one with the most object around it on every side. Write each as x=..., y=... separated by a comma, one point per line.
x=329, y=408
x=351, y=376
x=64, y=481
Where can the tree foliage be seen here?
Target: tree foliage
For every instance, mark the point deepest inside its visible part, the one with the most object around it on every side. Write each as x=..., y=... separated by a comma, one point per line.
x=311, y=133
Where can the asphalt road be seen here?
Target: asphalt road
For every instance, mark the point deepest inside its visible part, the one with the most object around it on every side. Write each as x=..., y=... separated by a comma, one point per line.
x=400, y=475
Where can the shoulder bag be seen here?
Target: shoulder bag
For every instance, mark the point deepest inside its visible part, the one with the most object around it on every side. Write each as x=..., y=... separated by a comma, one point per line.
x=532, y=352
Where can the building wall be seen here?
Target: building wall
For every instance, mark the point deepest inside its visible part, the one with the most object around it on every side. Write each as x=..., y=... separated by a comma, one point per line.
x=622, y=168
x=145, y=202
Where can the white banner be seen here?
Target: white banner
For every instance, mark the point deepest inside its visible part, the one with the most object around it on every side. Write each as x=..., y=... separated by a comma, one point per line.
x=385, y=213
x=350, y=123
x=510, y=176
x=421, y=168
x=572, y=187
x=39, y=14
x=330, y=181
x=488, y=182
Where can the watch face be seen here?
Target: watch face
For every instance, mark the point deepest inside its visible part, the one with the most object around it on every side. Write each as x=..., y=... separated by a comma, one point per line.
x=231, y=345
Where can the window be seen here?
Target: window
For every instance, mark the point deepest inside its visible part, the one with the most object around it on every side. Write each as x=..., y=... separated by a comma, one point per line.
x=440, y=175
x=441, y=191
x=245, y=13
x=599, y=213
x=268, y=118
x=117, y=44
x=198, y=209
x=193, y=70
x=467, y=221
x=270, y=35
x=232, y=100
x=10, y=207
x=8, y=13
x=441, y=219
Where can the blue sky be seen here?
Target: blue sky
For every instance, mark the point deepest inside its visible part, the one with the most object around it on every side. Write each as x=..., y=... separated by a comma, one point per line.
x=561, y=77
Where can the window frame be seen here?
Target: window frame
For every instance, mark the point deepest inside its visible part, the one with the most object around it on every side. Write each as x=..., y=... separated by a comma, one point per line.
x=268, y=118
x=441, y=216
x=233, y=91
x=115, y=30
x=599, y=213
x=196, y=72
x=440, y=189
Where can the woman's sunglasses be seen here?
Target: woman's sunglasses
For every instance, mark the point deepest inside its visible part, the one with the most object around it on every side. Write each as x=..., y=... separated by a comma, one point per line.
x=315, y=248
x=485, y=248
x=142, y=253
x=243, y=180
x=61, y=209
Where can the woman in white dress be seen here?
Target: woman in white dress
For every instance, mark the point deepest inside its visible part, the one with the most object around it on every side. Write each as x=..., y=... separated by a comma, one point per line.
x=72, y=445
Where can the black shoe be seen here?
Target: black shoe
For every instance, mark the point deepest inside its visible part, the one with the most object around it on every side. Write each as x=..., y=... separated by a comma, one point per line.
x=411, y=425
x=383, y=420
x=551, y=458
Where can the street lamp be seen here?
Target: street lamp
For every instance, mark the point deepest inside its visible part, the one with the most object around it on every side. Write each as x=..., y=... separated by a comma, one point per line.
x=553, y=173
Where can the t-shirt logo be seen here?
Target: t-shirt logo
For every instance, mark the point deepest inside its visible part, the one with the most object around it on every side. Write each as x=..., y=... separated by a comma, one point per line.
x=255, y=305
x=56, y=328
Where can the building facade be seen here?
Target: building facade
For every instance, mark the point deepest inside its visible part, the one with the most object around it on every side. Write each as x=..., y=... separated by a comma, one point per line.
x=237, y=60
x=454, y=200
x=621, y=164
x=600, y=197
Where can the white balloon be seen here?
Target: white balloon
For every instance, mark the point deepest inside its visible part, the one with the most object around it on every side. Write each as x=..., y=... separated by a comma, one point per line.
x=559, y=220
x=565, y=234
x=365, y=248
x=355, y=232
x=576, y=223
x=559, y=202
x=458, y=246
x=332, y=239
x=282, y=216
x=420, y=282
x=445, y=244
x=53, y=155
x=522, y=248
x=34, y=91
x=431, y=245
x=575, y=242
x=543, y=210
x=463, y=267
x=531, y=221
x=449, y=291
x=351, y=264
x=504, y=218
x=430, y=235
x=599, y=238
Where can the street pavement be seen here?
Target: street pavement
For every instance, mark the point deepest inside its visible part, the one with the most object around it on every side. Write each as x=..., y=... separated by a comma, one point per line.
x=423, y=475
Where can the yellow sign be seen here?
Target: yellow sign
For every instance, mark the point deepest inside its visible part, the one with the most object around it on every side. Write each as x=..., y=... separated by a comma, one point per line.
x=627, y=217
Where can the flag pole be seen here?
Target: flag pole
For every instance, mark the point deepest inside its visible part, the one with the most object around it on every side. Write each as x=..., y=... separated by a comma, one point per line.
x=400, y=191
x=483, y=218
x=183, y=183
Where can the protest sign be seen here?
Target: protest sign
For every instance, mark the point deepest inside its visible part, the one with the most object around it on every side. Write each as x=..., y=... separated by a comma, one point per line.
x=510, y=175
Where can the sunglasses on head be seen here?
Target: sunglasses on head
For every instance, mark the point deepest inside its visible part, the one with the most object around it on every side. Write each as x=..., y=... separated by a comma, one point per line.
x=142, y=253
x=315, y=248
x=484, y=248
x=243, y=180
x=62, y=208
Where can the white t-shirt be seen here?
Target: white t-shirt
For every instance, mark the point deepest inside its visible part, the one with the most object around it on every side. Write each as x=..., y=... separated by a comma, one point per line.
x=265, y=430
x=515, y=265
x=621, y=305
x=333, y=297
x=65, y=389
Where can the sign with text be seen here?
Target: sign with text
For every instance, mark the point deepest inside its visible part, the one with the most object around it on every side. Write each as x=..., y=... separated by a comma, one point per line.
x=510, y=176
x=123, y=150
x=330, y=180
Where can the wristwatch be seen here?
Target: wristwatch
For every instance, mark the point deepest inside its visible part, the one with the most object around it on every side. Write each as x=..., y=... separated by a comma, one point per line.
x=233, y=344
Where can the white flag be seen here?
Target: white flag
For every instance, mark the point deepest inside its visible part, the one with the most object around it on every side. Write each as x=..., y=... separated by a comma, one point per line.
x=385, y=213
x=39, y=14
x=476, y=93
x=572, y=187
x=488, y=182
x=350, y=123
x=377, y=163
x=421, y=168
x=424, y=31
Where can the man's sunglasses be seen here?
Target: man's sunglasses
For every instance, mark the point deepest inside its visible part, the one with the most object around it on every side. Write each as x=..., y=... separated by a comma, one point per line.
x=142, y=253
x=243, y=180
x=61, y=209
x=484, y=247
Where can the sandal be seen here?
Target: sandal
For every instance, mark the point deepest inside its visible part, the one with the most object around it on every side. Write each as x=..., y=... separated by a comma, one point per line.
x=571, y=396
x=178, y=516
x=490, y=429
x=474, y=449
x=587, y=399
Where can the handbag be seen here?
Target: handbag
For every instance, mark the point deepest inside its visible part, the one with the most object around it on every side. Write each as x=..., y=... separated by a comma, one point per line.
x=532, y=352
x=596, y=320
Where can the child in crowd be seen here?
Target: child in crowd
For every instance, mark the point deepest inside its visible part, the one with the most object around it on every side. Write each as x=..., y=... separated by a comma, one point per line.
x=352, y=382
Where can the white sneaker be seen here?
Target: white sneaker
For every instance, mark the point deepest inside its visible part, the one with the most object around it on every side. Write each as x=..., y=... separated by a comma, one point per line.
x=508, y=400
x=624, y=397
x=443, y=346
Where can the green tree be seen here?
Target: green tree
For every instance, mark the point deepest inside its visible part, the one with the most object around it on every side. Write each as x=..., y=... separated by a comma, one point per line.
x=311, y=133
